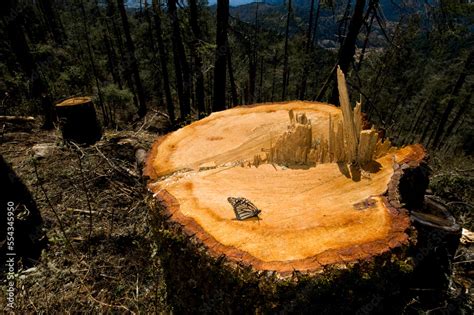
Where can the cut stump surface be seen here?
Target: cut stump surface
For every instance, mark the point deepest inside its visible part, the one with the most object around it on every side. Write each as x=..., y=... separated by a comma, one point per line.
x=312, y=215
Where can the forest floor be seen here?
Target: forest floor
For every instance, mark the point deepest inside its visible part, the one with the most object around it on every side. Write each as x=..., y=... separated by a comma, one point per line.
x=103, y=259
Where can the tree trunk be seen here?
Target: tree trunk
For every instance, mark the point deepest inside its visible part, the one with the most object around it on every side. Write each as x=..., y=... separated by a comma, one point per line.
x=112, y=61
x=197, y=58
x=183, y=82
x=274, y=63
x=454, y=93
x=456, y=120
x=308, y=46
x=221, y=56
x=52, y=20
x=92, y=62
x=21, y=49
x=252, y=71
x=285, y=54
x=346, y=53
x=79, y=121
x=118, y=39
x=260, y=83
x=163, y=61
x=132, y=60
x=233, y=87
x=347, y=50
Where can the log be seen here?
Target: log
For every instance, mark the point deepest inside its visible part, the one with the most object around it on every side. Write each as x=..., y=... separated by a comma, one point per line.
x=328, y=226
x=78, y=120
x=17, y=119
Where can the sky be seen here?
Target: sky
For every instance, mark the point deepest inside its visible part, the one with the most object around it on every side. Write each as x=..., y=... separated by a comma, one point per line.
x=234, y=2
x=135, y=3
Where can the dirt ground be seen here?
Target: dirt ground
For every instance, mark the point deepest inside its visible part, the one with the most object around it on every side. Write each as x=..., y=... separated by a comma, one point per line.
x=103, y=259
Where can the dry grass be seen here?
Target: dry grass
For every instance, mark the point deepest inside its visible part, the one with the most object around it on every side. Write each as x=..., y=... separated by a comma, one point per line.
x=104, y=261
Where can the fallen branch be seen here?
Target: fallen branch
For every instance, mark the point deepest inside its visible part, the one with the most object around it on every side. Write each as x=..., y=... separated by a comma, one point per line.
x=17, y=119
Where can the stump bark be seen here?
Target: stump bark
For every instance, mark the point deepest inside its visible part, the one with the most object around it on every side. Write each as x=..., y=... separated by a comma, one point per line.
x=332, y=220
x=79, y=120
x=22, y=236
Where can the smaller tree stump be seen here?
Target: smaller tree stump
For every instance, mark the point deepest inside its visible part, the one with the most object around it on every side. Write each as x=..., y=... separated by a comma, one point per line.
x=79, y=120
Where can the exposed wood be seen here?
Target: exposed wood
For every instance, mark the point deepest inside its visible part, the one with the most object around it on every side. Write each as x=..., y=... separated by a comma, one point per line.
x=350, y=132
x=291, y=234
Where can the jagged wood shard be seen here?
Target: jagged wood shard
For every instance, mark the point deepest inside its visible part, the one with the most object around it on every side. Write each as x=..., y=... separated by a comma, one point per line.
x=350, y=133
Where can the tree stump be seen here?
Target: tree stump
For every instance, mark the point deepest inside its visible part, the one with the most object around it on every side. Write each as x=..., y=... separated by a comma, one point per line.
x=78, y=120
x=22, y=236
x=331, y=219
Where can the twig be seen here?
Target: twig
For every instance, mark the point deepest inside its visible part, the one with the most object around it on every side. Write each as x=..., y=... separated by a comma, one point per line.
x=86, y=191
x=463, y=262
x=136, y=296
x=460, y=203
x=48, y=201
x=113, y=166
x=82, y=211
x=110, y=305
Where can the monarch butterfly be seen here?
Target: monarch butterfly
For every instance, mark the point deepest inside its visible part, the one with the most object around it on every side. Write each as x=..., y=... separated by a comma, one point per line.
x=243, y=208
x=365, y=204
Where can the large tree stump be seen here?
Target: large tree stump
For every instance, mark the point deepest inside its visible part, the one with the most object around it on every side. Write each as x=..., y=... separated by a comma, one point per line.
x=331, y=219
x=78, y=120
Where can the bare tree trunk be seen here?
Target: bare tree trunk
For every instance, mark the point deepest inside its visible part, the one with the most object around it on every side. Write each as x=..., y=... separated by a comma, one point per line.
x=112, y=60
x=233, y=87
x=274, y=61
x=52, y=20
x=308, y=48
x=456, y=120
x=132, y=60
x=252, y=78
x=183, y=81
x=221, y=55
x=19, y=45
x=91, y=59
x=454, y=93
x=346, y=53
x=347, y=50
x=163, y=61
x=260, y=84
x=193, y=8
x=285, y=54
x=118, y=39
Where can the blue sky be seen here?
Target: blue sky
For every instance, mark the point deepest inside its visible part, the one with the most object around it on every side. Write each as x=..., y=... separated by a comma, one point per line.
x=234, y=2
x=135, y=3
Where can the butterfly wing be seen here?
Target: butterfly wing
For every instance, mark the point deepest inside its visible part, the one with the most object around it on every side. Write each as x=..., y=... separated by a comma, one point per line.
x=243, y=208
